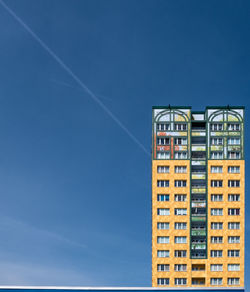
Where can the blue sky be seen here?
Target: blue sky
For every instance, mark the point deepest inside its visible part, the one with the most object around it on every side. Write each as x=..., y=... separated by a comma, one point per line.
x=75, y=188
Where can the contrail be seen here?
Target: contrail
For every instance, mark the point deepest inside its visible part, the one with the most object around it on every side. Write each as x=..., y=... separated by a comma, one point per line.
x=73, y=75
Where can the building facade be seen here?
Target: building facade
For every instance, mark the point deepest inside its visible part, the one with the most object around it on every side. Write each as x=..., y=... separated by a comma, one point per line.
x=198, y=172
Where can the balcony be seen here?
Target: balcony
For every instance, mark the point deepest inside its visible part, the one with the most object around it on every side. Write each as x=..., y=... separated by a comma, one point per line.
x=198, y=232
x=197, y=218
x=198, y=175
x=198, y=190
x=199, y=204
x=198, y=162
x=198, y=147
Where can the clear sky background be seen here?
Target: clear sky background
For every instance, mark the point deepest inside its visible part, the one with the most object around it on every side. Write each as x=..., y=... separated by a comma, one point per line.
x=75, y=189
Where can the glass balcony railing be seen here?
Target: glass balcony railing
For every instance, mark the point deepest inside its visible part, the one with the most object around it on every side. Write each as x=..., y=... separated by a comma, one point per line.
x=198, y=232
x=196, y=218
x=198, y=246
x=198, y=190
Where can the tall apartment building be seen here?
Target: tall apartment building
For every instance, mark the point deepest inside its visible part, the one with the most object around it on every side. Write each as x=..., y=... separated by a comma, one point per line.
x=198, y=197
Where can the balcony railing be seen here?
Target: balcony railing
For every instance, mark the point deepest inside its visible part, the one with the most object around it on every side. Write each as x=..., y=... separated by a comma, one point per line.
x=196, y=218
x=198, y=232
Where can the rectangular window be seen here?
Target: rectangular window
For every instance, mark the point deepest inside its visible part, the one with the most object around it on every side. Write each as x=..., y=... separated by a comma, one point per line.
x=163, y=253
x=163, y=183
x=163, y=169
x=216, y=183
x=233, y=267
x=233, y=253
x=180, y=127
x=180, y=281
x=216, y=198
x=180, y=211
x=216, y=169
x=180, y=169
x=216, y=253
x=162, y=239
x=163, y=141
x=163, y=212
x=217, y=141
x=163, y=225
x=180, y=198
x=180, y=239
x=163, y=127
x=233, y=155
x=216, y=127
x=162, y=198
x=233, y=239
x=180, y=225
x=233, y=197
x=234, y=211
x=180, y=183
x=233, y=141
x=163, y=155
x=217, y=212
x=163, y=268
x=216, y=239
x=234, y=225
x=180, y=253
x=233, y=127
x=217, y=225
x=162, y=281
x=216, y=155
x=216, y=268
x=180, y=267
x=233, y=281
x=180, y=141
x=234, y=183
x=233, y=169
x=216, y=281
x=180, y=155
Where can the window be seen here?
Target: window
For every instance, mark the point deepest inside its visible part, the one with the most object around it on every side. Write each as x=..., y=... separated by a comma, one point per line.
x=163, y=183
x=233, y=239
x=180, y=268
x=163, y=268
x=233, y=267
x=180, y=183
x=163, y=225
x=233, y=197
x=233, y=155
x=163, y=155
x=234, y=225
x=180, y=155
x=216, y=198
x=162, y=239
x=233, y=183
x=216, y=239
x=180, y=127
x=180, y=225
x=217, y=212
x=217, y=141
x=216, y=281
x=180, y=239
x=163, y=253
x=162, y=198
x=163, y=127
x=233, y=253
x=180, y=281
x=163, y=141
x=180, y=141
x=216, y=268
x=180, y=253
x=233, y=281
x=216, y=127
x=163, y=281
x=216, y=253
x=216, y=225
x=180, y=211
x=180, y=169
x=216, y=183
x=233, y=127
x=163, y=212
x=216, y=155
x=233, y=169
x=163, y=169
x=180, y=198
x=216, y=169
x=233, y=141
x=234, y=211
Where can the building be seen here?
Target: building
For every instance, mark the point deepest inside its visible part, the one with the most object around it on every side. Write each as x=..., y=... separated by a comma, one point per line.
x=198, y=175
